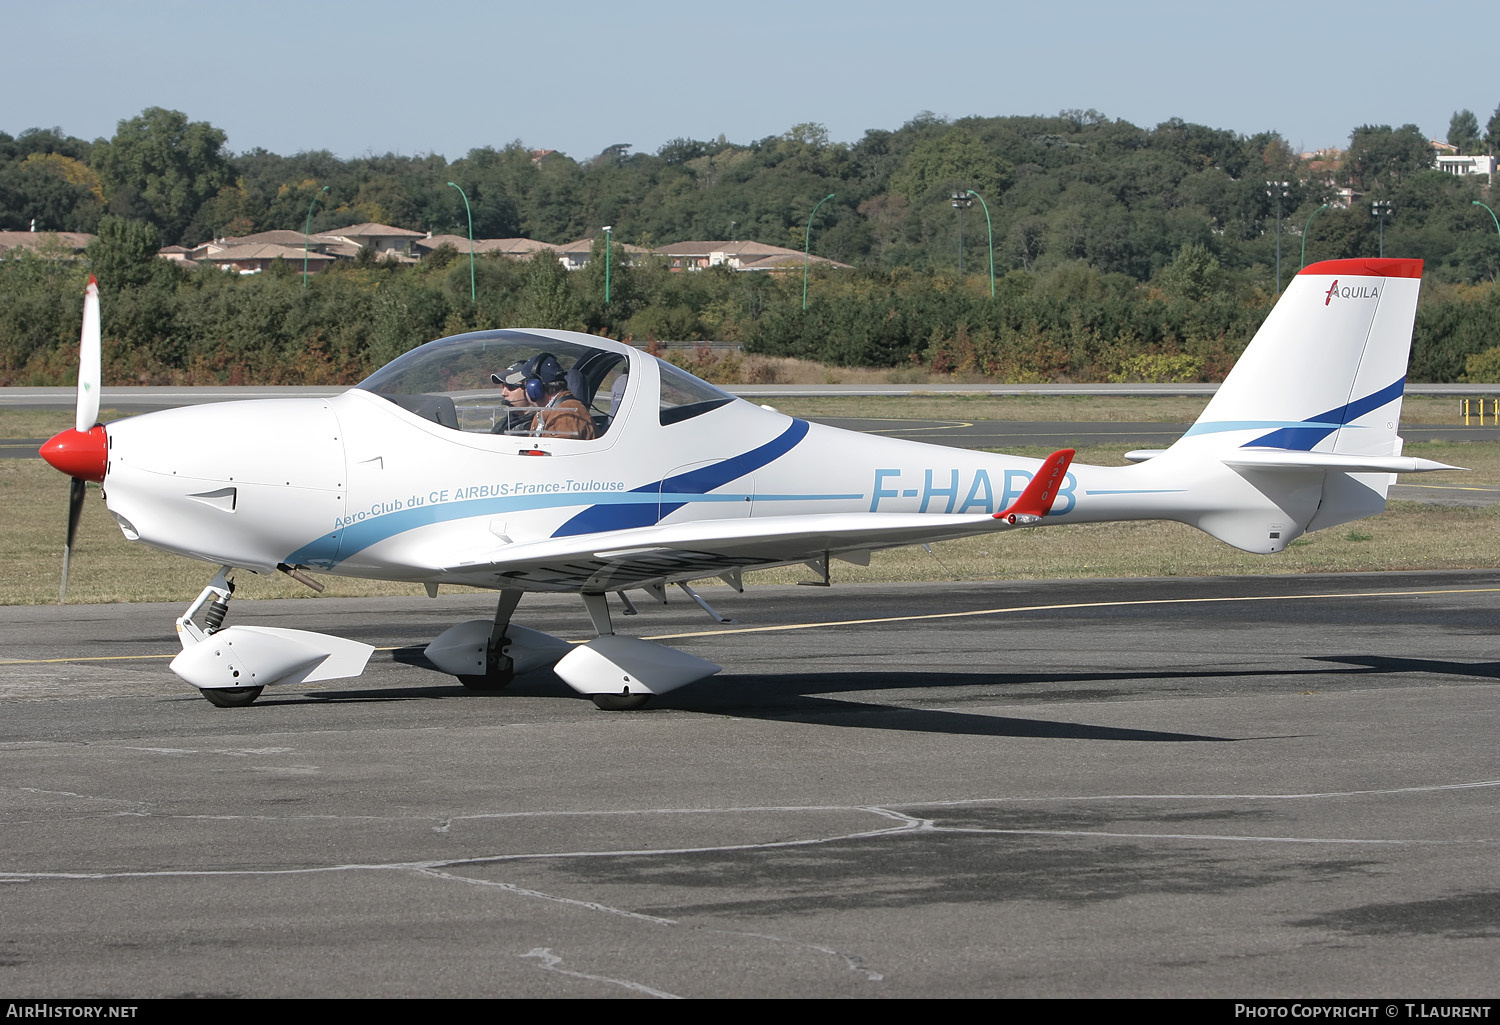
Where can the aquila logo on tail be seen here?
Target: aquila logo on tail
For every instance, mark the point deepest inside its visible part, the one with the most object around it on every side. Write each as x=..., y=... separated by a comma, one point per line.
x=1350, y=292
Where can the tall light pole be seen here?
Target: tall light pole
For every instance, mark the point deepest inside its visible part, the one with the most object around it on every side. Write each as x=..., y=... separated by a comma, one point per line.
x=990, y=227
x=307, y=233
x=1492, y=216
x=607, y=240
x=961, y=202
x=1305, y=228
x=807, y=246
x=473, y=292
x=1279, y=191
x=1382, y=209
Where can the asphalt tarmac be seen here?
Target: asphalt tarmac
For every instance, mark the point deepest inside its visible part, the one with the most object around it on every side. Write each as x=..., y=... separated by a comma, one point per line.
x=1236, y=787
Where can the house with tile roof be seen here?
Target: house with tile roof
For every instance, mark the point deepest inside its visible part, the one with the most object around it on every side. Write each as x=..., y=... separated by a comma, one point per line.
x=740, y=256
x=515, y=248
x=254, y=258
x=382, y=239
x=575, y=255
x=61, y=243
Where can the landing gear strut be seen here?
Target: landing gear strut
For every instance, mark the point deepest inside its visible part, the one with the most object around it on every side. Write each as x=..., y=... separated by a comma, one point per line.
x=220, y=590
x=499, y=668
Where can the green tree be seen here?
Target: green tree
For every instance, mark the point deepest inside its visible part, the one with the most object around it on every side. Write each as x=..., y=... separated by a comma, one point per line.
x=1194, y=276
x=123, y=254
x=1492, y=132
x=546, y=298
x=956, y=159
x=57, y=191
x=1379, y=154
x=1463, y=131
x=172, y=164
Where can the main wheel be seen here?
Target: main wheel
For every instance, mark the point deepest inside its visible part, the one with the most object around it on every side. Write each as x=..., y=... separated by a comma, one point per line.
x=230, y=697
x=489, y=681
x=499, y=670
x=620, y=702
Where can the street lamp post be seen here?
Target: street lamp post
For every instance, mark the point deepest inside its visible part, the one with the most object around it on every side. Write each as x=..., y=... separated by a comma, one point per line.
x=807, y=246
x=1382, y=209
x=473, y=291
x=961, y=202
x=607, y=240
x=1492, y=216
x=1305, y=228
x=1278, y=190
x=990, y=228
x=308, y=232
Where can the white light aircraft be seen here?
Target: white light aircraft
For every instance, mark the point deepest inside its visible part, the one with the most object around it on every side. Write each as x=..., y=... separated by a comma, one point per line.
x=421, y=474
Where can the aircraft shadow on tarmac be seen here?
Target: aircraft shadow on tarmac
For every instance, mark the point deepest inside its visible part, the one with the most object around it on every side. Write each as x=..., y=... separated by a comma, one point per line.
x=801, y=697
x=1437, y=667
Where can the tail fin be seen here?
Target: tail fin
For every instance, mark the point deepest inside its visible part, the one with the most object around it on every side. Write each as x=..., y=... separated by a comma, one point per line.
x=1308, y=415
x=1327, y=369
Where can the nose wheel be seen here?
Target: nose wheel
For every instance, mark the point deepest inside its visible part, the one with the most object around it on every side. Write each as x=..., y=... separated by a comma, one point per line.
x=620, y=702
x=230, y=697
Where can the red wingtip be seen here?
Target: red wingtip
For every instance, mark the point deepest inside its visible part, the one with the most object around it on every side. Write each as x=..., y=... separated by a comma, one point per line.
x=1039, y=495
x=80, y=454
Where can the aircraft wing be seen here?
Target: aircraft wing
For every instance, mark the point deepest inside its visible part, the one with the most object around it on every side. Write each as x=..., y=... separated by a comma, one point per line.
x=616, y=559
x=683, y=551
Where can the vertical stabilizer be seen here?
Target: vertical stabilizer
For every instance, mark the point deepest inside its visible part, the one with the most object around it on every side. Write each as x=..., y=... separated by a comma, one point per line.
x=1327, y=369
x=1315, y=398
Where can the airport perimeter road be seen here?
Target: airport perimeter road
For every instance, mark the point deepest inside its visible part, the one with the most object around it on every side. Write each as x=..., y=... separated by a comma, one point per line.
x=1246, y=787
x=1009, y=434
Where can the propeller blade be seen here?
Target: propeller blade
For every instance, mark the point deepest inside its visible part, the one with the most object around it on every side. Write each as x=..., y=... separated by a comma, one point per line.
x=76, y=491
x=89, y=359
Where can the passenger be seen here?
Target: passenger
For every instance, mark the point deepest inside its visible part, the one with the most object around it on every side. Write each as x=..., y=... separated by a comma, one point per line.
x=520, y=410
x=560, y=413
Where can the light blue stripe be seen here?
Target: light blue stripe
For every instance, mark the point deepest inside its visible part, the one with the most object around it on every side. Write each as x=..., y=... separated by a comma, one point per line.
x=1221, y=426
x=322, y=553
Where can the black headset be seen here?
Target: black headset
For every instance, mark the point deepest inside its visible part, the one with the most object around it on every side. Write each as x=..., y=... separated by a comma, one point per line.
x=541, y=370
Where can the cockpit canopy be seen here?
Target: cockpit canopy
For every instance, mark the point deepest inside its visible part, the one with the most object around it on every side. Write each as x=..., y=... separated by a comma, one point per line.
x=450, y=381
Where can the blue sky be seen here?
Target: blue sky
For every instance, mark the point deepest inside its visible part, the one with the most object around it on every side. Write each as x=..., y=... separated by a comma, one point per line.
x=381, y=76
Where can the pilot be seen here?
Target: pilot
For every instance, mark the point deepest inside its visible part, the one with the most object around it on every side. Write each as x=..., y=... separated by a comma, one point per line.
x=560, y=414
x=520, y=410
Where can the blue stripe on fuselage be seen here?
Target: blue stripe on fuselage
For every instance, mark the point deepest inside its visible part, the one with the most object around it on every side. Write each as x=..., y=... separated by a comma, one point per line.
x=610, y=510
x=698, y=482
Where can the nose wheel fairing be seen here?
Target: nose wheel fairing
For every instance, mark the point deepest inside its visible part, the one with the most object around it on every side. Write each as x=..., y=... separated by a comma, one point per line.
x=259, y=656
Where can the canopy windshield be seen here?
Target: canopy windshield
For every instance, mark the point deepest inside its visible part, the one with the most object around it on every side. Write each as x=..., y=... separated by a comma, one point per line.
x=452, y=380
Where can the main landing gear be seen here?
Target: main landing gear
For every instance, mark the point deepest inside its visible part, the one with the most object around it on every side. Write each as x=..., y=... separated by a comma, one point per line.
x=617, y=673
x=499, y=668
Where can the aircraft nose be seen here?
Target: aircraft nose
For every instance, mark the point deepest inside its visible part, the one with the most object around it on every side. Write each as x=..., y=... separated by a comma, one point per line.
x=80, y=454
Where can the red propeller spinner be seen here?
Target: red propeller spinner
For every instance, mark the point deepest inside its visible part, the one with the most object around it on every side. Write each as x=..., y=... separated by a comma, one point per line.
x=83, y=455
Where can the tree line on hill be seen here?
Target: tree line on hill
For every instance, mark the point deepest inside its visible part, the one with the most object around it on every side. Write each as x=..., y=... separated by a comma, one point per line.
x=1119, y=252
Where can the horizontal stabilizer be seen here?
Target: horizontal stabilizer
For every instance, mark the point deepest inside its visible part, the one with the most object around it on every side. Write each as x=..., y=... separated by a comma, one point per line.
x=1294, y=459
